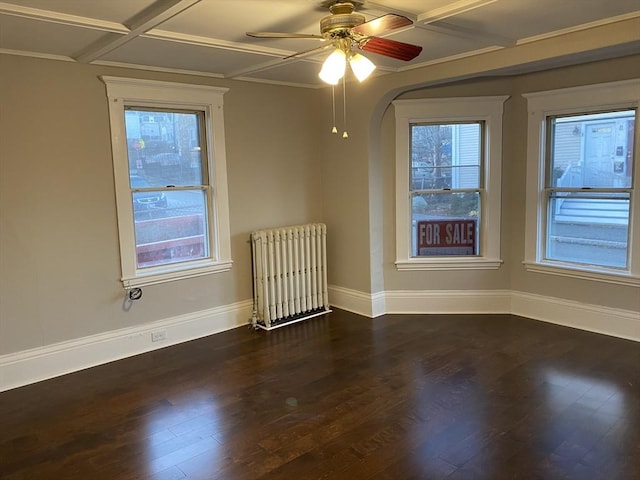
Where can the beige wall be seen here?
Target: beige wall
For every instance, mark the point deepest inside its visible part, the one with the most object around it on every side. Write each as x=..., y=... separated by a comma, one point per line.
x=59, y=260
x=361, y=175
x=596, y=293
x=59, y=263
x=438, y=280
x=512, y=275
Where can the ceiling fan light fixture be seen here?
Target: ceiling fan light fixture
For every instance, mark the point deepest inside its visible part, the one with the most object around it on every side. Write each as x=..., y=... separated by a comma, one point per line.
x=362, y=67
x=334, y=67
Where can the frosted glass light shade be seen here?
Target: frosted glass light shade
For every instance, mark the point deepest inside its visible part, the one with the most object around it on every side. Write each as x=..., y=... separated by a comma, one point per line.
x=333, y=67
x=361, y=66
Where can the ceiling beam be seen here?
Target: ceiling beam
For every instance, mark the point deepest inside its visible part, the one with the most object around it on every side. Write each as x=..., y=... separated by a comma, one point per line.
x=60, y=18
x=469, y=33
x=306, y=56
x=375, y=6
x=455, y=8
x=157, y=13
x=201, y=41
x=277, y=62
x=432, y=20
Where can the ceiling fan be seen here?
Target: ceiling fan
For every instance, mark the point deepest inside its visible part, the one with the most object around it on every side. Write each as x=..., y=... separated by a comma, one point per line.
x=344, y=30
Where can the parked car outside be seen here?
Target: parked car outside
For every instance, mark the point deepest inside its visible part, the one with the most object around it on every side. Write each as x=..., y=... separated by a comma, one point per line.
x=146, y=199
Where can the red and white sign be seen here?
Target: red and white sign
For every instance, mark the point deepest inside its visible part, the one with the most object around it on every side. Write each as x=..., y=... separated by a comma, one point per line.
x=446, y=237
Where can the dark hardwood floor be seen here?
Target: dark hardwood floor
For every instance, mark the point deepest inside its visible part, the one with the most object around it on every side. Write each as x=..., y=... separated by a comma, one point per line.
x=342, y=397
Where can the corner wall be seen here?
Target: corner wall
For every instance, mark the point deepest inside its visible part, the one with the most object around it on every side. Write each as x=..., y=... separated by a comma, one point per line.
x=362, y=268
x=59, y=258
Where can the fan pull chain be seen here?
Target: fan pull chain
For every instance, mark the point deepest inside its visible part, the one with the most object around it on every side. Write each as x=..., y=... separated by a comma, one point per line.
x=344, y=101
x=334, y=129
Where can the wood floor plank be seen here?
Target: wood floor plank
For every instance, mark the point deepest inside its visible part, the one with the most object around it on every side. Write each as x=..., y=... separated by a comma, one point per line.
x=342, y=396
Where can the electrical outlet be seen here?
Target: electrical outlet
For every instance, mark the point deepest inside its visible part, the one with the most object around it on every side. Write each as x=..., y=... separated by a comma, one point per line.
x=158, y=335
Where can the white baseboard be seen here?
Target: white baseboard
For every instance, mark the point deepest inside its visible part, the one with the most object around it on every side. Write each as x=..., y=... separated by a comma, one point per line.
x=448, y=301
x=414, y=301
x=593, y=318
x=365, y=304
x=29, y=366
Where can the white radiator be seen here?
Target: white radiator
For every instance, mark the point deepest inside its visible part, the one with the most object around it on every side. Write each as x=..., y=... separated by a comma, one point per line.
x=289, y=274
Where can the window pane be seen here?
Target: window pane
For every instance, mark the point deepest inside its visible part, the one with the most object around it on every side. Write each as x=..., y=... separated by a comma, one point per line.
x=164, y=146
x=446, y=156
x=588, y=229
x=177, y=233
x=422, y=176
x=593, y=150
x=164, y=153
x=445, y=224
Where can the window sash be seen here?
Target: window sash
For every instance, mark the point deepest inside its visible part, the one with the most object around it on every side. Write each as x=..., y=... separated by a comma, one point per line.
x=456, y=146
x=201, y=124
x=588, y=115
x=478, y=164
x=554, y=197
x=448, y=243
x=161, y=239
x=584, y=248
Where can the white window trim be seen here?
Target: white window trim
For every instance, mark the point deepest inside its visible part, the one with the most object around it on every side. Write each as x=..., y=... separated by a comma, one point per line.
x=123, y=92
x=576, y=100
x=444, y=110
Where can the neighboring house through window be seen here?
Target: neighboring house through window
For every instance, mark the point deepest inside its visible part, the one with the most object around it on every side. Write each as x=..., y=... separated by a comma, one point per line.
x=582, y=193
x=170, y=178
x=448, y=174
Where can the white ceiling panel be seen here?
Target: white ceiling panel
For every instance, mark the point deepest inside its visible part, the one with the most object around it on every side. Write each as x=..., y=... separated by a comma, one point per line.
x=435, y=45
x=230, y=20
x=208, y=36
x=159, y=53
x=296, y=73
x=289, y=45
x=109, y=10
x=30, y=35
x=415, y=6
x=528, y=18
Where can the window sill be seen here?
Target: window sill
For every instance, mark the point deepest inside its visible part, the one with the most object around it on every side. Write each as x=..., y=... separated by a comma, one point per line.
x=448, y=264
x=169, y=276
x=617, y=278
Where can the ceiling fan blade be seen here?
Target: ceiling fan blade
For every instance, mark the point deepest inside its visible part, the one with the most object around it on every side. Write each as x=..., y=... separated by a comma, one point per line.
x=283, y=35
x=304, y=52
x=381, y=24
x=390, y=48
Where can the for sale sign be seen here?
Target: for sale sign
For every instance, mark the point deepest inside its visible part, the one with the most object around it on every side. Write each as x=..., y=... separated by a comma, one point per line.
x=446, y=237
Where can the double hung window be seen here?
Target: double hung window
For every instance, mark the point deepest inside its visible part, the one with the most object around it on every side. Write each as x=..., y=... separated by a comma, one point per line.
x=583, y=185
x=169, y=166
x=448, y=157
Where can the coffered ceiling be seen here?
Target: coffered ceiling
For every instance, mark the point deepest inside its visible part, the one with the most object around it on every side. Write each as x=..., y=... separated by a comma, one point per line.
x=207, y=37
